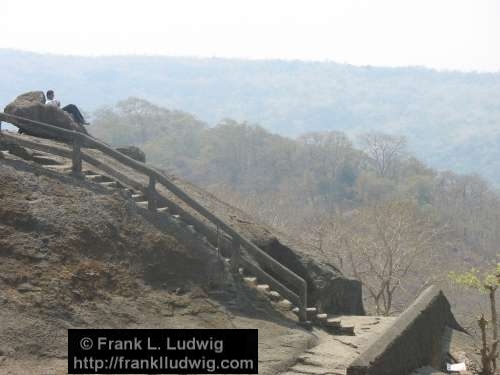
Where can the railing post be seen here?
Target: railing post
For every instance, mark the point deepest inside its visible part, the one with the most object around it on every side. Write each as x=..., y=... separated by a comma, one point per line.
x=152, y=194
x=303, y=308
x=76, y=167
x=235, y=255
x=80, y=140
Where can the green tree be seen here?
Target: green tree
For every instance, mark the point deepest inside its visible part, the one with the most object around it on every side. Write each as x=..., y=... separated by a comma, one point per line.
x=488, y=283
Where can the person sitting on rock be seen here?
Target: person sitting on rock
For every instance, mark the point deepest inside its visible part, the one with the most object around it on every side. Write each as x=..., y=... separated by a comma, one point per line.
x=51, y=100
x=70, y=108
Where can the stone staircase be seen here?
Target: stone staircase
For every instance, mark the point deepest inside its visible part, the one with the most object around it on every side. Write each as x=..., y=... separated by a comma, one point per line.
x=330, y=324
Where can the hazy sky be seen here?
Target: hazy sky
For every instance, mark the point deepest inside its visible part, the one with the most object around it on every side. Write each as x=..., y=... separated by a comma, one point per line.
x=444, y=34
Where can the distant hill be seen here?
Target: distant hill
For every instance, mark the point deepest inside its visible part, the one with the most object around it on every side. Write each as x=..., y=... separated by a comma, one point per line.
x=451, y=119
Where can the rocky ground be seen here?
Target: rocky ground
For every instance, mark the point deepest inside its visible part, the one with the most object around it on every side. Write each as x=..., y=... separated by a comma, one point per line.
x=75, y=255
x=333, y=354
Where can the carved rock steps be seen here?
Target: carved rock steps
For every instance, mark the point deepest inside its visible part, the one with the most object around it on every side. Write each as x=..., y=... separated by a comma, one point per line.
x=330, y=324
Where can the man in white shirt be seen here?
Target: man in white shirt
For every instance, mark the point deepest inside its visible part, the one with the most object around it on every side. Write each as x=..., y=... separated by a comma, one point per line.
x=70, y=108
x=51, y=100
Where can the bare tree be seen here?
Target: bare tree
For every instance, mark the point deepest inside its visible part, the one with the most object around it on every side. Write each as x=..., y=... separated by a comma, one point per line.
x=386, y=242
x=327, y=234
x=384, y=151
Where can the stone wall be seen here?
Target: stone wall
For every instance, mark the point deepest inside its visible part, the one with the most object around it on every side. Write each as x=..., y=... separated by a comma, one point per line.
x=413, y=340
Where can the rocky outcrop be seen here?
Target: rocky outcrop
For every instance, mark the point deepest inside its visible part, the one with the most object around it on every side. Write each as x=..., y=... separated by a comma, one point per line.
x=74, y=255
x=328, y=288
x=133, y=152
x=31, y=105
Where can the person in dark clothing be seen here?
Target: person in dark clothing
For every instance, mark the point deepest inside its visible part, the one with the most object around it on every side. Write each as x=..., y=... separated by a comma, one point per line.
x=70, y=108
x=75, y=113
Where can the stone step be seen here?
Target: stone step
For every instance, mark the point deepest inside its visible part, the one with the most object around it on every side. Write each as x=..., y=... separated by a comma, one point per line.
x=321, y=318
x=310, y=312
x=347, y=330
x=98, y=178
x=250, y=281
x=109, y=184
x=128, y=191
x=59, y=167
x=285, y=304
x=264, y=288
x=20, y=152
x=176, y=219
x=333, y=323
x=45, y=160
x=274, y=296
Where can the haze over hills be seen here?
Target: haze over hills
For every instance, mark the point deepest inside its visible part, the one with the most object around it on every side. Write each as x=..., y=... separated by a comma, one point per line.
x=451, y=119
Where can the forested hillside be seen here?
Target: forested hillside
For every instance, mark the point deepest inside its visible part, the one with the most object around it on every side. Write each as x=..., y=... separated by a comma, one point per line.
x=451, y=119
x=362, y=207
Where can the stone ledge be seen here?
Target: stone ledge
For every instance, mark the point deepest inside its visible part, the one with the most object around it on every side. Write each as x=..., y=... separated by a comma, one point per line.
x=412, y=341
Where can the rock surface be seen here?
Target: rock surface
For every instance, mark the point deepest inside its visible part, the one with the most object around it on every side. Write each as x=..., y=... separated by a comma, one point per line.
x=413, y=341
x=427, y=370
x=329, y=289
x=133, y=152
x=333, y=354
x=459, y=346
x=73, y=255
x=31, y=105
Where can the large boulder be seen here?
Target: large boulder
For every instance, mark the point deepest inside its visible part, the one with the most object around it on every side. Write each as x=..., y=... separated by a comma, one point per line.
x=31, y=105
x=328, y=288
x=133, y=152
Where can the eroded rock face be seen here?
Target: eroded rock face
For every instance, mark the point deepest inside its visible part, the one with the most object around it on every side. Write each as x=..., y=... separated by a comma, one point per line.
x=133, y=152
x=328, y=288
x=31, y=105
x=31, y=97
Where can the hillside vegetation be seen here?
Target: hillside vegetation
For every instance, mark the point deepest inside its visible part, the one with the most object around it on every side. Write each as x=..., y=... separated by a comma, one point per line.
x=361, y=207
x=450, y=118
